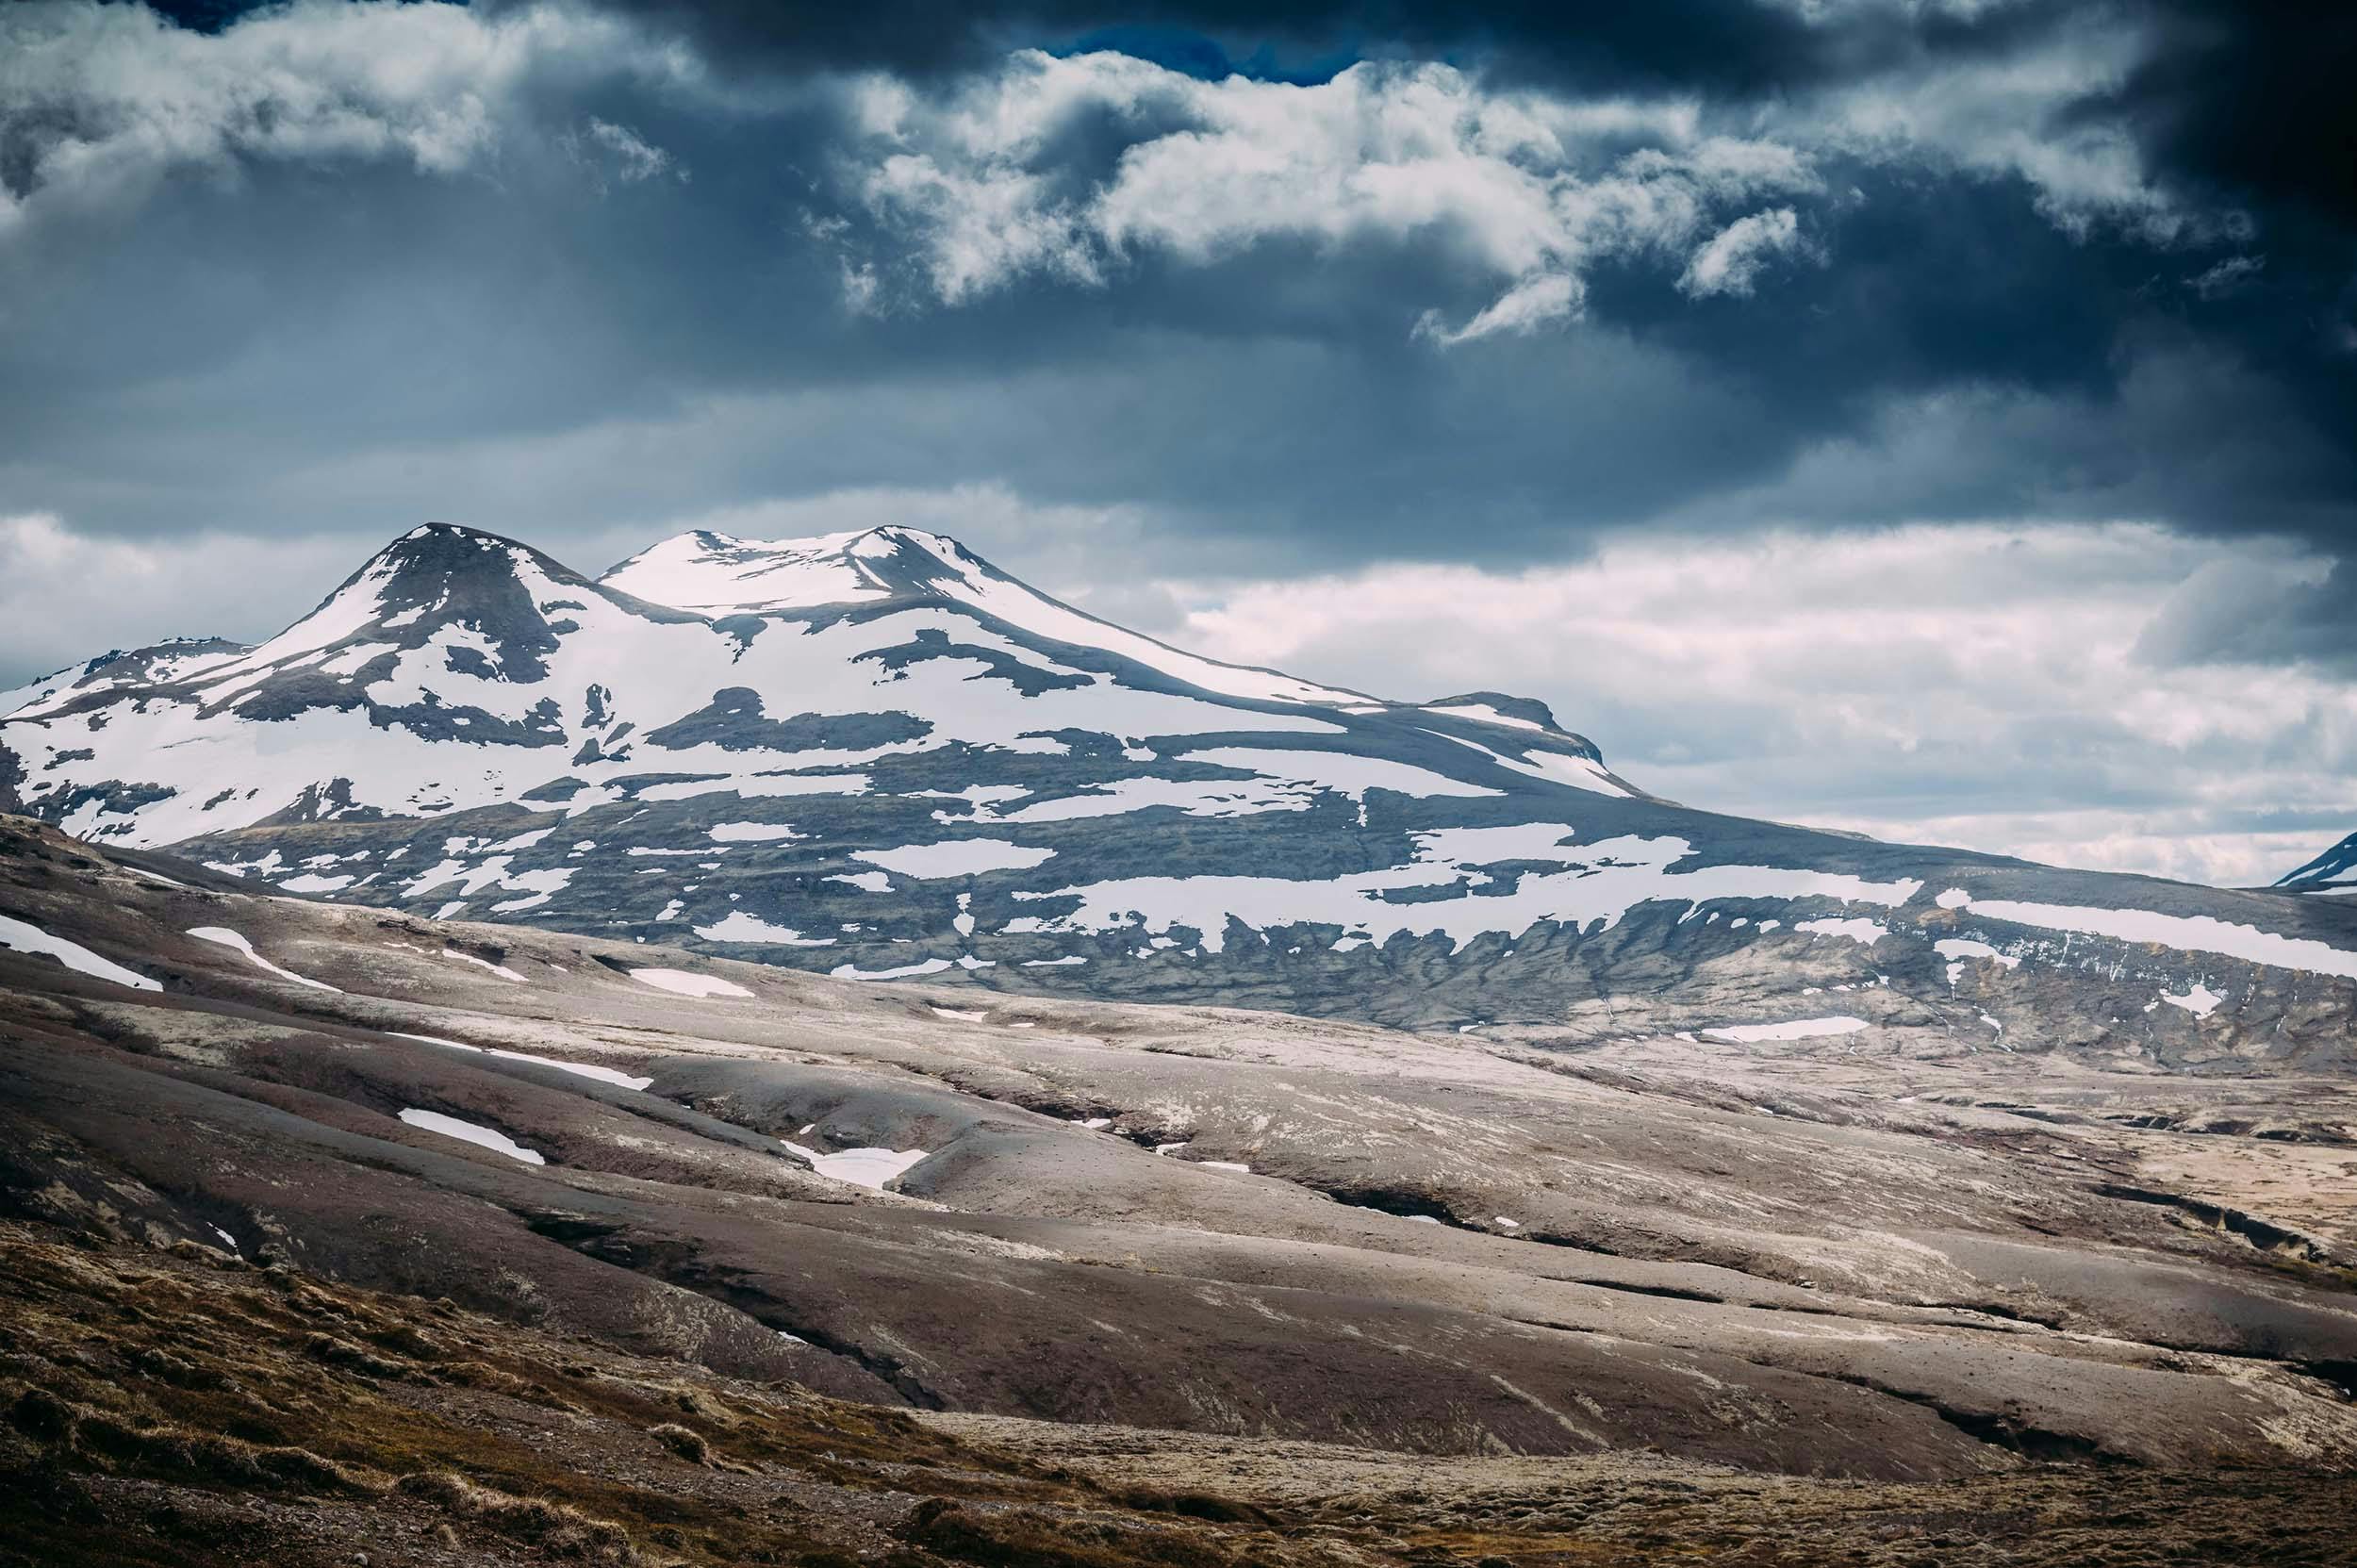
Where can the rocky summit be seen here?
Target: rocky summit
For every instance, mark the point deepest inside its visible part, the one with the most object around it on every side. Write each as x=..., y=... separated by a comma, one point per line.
x=877, y=756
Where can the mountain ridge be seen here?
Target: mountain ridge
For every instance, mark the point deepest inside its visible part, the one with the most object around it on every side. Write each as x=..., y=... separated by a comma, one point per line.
x=2334, y=871
x=950, y=774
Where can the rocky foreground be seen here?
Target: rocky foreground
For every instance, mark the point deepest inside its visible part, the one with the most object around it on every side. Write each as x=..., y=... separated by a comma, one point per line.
x=182, y=1407
x=742, y=1261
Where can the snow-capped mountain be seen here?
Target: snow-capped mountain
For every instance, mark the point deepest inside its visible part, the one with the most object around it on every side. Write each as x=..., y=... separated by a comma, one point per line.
x=876, y=755
x=2334, y=871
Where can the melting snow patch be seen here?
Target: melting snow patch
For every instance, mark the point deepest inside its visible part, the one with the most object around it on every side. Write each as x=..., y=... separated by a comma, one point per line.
x=682, y=983
x=583, y=1069
x=1599, y=882
x=956, y=857
x=1224, y=1164
x=500, y=969
x=1483, y=712
x=1865, y=933
x=1791, y=1028
x=2201, y=1002
x=1053, y=962
x=603, y=1075
x=852, y=971
x=2186, y=933
x=861, y=1167
x=741, y=927
x=753, y=833
x=435, y=1040
x=866, y=881
x=229, y=938
x=961, y=1014
x=1341, y=771
x=23, y=936
x=1957, y=947
x=488, y=1137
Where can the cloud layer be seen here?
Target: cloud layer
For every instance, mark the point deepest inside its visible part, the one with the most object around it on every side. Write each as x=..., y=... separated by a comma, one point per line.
x=2005, y=688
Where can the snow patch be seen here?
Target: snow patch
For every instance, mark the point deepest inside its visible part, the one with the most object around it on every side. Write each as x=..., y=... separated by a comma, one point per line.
x=1792, y=1028
x=861, y=1167
x=686, y=983
x=2201, y=1000
x=956, y=857
x=753, y=833
x=1864, y=932
x=487, y=1137
x=227, y=938
x=25, y=937
x=906, y=971
x=2184, y=933
x=740, y=927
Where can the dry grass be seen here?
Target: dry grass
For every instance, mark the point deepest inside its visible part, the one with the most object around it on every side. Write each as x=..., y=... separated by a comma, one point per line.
x=160, y=1412
x=558, y=1529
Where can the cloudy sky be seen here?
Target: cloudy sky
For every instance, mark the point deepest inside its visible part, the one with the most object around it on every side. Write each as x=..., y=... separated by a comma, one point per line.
x=1931, y=417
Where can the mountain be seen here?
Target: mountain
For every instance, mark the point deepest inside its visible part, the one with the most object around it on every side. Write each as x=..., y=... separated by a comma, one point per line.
x=876, y=755
x=160, y=664
x=2334, y=871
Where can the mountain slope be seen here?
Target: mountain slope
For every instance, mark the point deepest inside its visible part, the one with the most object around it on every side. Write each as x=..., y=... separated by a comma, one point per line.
x=2334, y=871
x=1201, y=1221
x=876, y=755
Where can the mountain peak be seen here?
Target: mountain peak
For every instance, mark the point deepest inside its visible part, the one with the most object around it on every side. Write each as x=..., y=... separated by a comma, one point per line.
x=1498, y=707
x=454, y=548
x=2334, y=870
x=714, y=573
x=436, y=575
x=718, y=574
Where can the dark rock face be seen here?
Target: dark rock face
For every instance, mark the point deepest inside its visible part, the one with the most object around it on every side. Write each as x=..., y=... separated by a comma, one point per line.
x=2335, y=870
x=878, y=756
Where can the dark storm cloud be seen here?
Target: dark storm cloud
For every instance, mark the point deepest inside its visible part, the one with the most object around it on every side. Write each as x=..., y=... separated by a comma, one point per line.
x=338, y=346
x=2255, y=621
x=1720, y=45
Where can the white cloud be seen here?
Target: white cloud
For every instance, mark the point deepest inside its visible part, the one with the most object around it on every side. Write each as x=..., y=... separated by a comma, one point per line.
x=1527, y=189
x=66, y=595
x=108, y=99
x=2039, y=114
x=1525, y=308
x=1730, y=260
x=606, y=147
